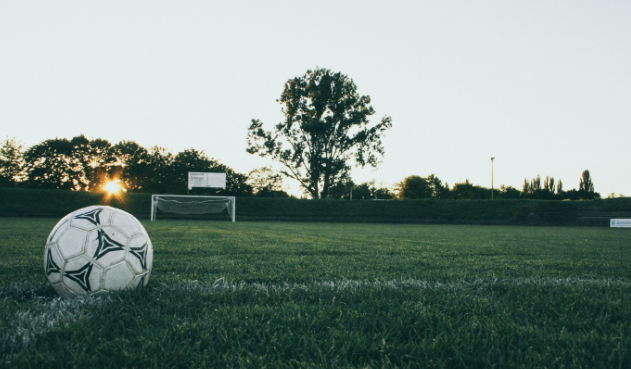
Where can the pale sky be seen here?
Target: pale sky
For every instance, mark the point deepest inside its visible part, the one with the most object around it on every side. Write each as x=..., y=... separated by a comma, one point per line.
x=543, y=86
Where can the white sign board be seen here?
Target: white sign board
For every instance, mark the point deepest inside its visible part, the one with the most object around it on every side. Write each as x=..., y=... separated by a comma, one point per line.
x=620, y=223
x=203, y=179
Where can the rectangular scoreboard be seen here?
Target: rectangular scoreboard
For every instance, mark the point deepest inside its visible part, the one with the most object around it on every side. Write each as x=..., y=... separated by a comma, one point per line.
x=205, y=179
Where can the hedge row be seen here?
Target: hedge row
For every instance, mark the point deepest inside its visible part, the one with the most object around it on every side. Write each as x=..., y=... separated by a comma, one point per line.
x=57, y=203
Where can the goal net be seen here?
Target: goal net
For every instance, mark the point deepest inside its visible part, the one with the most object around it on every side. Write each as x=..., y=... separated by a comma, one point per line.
x=188, y=204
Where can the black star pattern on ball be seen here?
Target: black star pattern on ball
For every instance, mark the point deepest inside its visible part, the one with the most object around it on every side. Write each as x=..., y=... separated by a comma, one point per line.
x=141, y=253
x=51, y=267
x=81, y=276
x=91, y=216
x=106, y=244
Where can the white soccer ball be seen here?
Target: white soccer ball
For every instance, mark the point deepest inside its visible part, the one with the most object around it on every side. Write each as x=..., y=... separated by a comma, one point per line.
x=95, y=250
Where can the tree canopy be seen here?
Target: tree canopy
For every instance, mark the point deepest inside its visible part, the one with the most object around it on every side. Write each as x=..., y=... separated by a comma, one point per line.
x=11, y=162
x=585, y=183
x=417, y=187
x=83, y=164
x=86, y=164
x=266, y=182
x=326, y=126
x=414, y=187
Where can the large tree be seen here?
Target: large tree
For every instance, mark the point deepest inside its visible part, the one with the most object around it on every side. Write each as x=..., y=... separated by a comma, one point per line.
x=129, y=155
x=148, y=170
x=11, y=162
x=439, y=190
x=414, y=187
x=585, y=183
x=586, y=187
x=96, y=158
x=76, y=164
x=266, y=183
x=50, y=164
x=326, y=126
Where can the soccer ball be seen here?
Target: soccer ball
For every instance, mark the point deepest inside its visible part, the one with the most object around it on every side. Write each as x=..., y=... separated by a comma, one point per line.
x=97, y=249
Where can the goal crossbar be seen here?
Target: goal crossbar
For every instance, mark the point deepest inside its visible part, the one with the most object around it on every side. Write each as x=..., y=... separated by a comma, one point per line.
x=192, y=204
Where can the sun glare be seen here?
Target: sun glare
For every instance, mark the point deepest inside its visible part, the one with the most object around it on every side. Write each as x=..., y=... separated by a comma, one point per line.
x=113, y=187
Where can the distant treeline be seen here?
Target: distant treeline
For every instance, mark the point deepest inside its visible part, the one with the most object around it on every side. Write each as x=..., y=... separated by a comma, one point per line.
x=416, y=187
x=81, y=164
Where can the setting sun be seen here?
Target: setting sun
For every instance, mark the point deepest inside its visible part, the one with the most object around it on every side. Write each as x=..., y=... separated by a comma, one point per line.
x=113, y=187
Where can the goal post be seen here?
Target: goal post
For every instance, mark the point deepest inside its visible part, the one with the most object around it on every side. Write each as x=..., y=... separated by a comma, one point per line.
x=192, y=204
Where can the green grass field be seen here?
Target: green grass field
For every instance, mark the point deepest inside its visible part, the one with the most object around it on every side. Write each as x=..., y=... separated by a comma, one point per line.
x=298, y=295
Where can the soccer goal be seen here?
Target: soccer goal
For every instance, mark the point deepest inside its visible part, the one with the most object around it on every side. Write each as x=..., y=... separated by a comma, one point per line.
x=189, y=204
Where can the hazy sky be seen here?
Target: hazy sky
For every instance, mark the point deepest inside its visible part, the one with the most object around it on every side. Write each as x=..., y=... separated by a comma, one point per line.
x=544, y=86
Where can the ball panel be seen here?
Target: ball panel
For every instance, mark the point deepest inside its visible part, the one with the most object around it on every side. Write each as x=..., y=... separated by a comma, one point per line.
x=137, y=257
x=53, y=264
x=95, y=278
x=91, y=217
x=76, y=275
x=54, y=234
x=149, y=258
x=71, y=242
x=106, y=246
x=126, y=223
x=136, y=282
x=117, y=277
x=143, y=230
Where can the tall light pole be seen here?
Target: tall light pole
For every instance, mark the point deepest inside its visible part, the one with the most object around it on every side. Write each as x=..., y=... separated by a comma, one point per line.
x=493, y=158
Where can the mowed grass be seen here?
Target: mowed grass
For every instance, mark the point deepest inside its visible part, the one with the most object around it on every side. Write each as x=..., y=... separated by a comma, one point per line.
x=331, y=295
